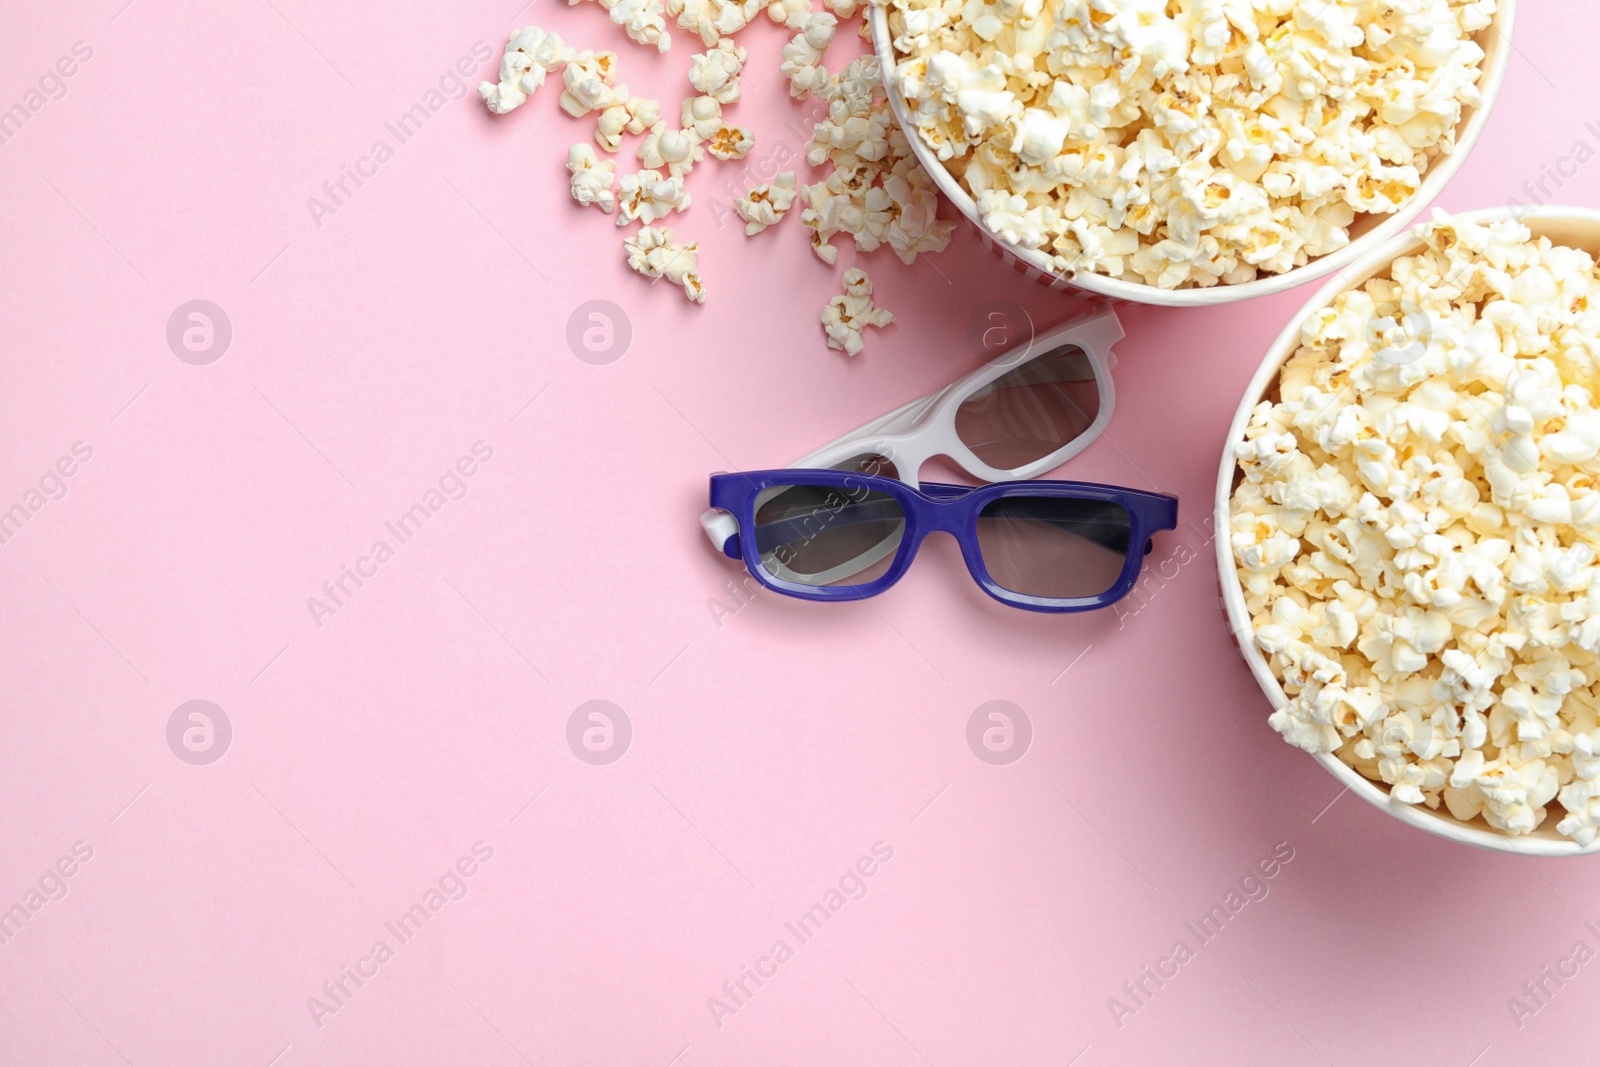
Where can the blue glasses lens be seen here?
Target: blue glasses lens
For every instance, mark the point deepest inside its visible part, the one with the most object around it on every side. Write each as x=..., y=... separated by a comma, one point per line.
x=1054, y=547
x=827, y=535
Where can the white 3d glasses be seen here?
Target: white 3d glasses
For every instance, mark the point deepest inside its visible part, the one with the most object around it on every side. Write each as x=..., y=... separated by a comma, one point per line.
x=1016, y=417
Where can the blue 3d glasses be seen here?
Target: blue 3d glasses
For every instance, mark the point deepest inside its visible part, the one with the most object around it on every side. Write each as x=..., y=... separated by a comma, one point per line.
x=846, y=535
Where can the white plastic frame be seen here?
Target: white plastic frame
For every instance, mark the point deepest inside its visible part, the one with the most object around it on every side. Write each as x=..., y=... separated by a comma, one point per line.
x=912, y=434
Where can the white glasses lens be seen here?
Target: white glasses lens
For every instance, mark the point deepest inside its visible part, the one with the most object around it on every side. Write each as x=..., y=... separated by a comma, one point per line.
x=1032, y=410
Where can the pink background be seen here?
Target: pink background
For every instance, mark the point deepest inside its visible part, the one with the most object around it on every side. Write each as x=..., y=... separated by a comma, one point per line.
x=771, y=747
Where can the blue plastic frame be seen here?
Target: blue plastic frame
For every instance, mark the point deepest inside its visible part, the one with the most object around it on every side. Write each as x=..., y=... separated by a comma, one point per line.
x=935, y=507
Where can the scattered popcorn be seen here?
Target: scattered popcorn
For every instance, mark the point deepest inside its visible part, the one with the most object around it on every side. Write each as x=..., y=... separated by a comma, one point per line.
x=802, y=57
x=635, y=115
x=591, y=178
x=610, y=127
x=715, y=72
x=588, y=79
x=648, y=196
x=730, y=142
x=1186, y=142
x=529, y=56
x=652, y=253
x=713, y=19
x=876, y=190
x=1416, y=529
x=643, y=20
x=703, y=115
x=648, y=249
x=791, y=14
x=676, y=151
x=766, y=204
x=847, y=316
x=870, y=186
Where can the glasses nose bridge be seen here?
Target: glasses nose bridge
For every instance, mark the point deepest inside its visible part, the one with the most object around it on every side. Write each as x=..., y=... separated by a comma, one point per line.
x=942, y=518
x=911, y=450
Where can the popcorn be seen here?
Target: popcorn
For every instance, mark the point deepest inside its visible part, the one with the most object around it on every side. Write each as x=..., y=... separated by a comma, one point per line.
x=676, y=151
x=648, y=196
x=703, y=115
x=652, y=253
x=588, y=79
x=876, y=191
x=610, y=127
x=591, y=179
x=648, y=250
x=822, y=217
x=791, y=14
x=1191, y=142
x=714, y=19
x=730, y=142
x=530, y=54
x=1416, y=529
x=802, y=57
x=634, y=115
x=766, y=204
x=643, y=20
x=870, y=187
x=715, y=73
x=845, y=317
